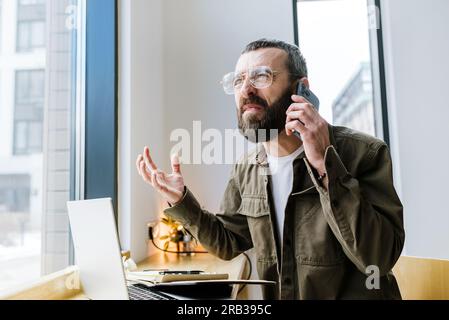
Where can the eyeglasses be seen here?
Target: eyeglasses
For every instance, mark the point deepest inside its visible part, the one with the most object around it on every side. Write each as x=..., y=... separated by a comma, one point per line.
x=259, y=77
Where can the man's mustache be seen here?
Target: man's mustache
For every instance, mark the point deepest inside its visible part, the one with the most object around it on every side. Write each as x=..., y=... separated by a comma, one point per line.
x=254, y=100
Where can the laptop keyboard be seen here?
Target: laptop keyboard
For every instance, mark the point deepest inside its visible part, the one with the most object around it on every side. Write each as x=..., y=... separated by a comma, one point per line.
x=142, y=292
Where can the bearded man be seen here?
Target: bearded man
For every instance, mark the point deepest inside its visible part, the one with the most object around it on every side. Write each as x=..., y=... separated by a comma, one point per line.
x=320, y=211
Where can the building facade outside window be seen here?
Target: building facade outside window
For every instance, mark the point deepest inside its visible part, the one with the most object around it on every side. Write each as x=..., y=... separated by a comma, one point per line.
x=38, y=82
x=354, y=107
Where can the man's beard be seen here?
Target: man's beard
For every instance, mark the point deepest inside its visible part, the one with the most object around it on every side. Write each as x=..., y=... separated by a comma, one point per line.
x=272, y=122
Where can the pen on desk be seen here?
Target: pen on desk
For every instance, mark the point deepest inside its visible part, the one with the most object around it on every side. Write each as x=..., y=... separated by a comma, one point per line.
x=155, y=270
x=181, y=272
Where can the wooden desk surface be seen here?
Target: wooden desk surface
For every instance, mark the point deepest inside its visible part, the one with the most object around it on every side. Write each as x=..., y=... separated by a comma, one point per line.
x=422, y=278
x=57, y=286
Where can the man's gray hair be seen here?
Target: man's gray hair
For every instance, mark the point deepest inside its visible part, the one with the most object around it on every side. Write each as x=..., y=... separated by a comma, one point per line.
x=296, y=63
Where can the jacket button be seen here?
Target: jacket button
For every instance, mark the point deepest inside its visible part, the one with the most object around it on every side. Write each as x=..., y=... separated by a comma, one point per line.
x=288, y=242
x=288, y=281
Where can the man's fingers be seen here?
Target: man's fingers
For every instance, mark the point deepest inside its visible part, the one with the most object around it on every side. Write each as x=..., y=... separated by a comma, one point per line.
x=300, y=115
x=148, y=161
x=145, y=169
x=299, y=99
x=175, y=165
x=307, y=107
x=295, y=125
x=143, y=172
x=139, y=159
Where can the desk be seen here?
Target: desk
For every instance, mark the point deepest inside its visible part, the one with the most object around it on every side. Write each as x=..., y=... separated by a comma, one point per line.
x=62, y=285
x=422, y=278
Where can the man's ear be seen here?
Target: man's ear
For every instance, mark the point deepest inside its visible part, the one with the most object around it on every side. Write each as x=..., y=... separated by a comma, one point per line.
x=305, y=80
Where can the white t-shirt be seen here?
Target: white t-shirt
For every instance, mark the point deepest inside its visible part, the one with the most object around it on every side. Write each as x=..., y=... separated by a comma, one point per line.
x=281, y=184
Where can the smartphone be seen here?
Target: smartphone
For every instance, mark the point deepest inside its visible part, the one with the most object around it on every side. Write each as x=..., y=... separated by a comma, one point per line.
x=303, y=91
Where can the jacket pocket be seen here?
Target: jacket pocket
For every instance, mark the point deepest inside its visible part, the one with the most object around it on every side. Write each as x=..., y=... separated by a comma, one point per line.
x=316, y=243
x=321, y=282
x=254, y=206
x=257, y=212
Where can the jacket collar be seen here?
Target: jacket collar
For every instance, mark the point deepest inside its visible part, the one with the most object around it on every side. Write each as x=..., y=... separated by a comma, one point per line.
x=260, y=157
x=332, y=137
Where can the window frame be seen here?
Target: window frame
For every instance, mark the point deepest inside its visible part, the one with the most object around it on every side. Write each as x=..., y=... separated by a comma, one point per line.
x=101, y=104
x=95, y=128
x=377, y=69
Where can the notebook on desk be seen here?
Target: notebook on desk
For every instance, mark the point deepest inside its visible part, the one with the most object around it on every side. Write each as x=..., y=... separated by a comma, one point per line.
x=162, y=277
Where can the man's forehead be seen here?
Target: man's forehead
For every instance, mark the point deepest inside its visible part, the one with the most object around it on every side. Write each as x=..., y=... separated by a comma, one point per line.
x=272, y=57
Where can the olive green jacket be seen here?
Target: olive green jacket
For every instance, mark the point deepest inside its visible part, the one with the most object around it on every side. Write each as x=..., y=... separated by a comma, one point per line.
x=335, y=242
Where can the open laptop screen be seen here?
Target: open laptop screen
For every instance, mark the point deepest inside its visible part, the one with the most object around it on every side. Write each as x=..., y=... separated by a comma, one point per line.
x=97, y=249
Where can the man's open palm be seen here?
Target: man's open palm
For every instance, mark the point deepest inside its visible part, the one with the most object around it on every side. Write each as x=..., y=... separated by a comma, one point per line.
x=170, y=186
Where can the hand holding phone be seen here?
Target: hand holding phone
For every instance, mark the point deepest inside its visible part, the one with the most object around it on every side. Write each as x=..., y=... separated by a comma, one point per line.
x=306, y=93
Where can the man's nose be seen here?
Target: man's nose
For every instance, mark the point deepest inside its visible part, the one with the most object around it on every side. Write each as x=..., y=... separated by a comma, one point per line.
x=247, y=89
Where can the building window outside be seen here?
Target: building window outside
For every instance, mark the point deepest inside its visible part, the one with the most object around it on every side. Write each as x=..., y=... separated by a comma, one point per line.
x=37, y=128
x=14, y=209
x=334, y=37
x=14, y=193
x=28, y=115
x=31, y=24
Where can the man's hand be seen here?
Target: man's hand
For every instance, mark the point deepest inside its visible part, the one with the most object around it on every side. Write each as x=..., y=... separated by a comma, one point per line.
x=304, y=118
x=170, y=186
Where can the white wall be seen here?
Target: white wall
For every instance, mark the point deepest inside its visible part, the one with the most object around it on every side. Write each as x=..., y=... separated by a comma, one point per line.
x=202, y=41
x=173, y=55
x=416, y=34
x=141, y=116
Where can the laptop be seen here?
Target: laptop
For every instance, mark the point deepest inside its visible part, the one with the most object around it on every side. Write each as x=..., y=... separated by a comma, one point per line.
x=97, y=253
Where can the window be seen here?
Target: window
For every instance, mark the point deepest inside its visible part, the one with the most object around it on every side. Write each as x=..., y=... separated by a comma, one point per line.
x=15, y=194
x=339, y=41
x=353, y=107
x=52, y=144
x=31, y=24
x=28, y=115
x=38, y=111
